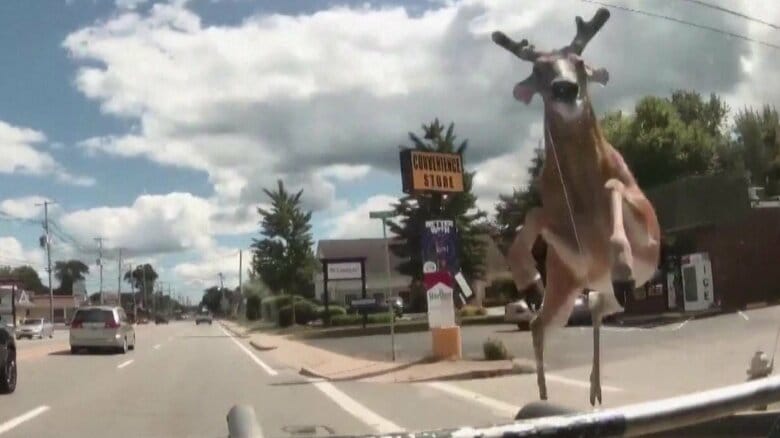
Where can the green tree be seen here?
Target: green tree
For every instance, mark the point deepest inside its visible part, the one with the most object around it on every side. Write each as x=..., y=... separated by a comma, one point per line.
x=26, y=275
x=414, y=210
x=282, y=257
x=67, y=273
x=667, y=139
x=757, y=139
x=142, y=278
x=512, y=208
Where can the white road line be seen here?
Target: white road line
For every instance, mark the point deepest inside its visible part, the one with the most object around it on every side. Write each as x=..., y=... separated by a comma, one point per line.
x=124, y=364
x=351, y=406
x=156, y=347
x=251, y=355
x=579, y=383
x=12, y=423
x=743, y=315
x=500, y=407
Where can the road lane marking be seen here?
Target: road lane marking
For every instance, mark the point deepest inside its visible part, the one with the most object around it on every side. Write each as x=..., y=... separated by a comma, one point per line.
x=125, y=363
x=357, y=410
x=579, y=383
x=743, y=315
x=156, y=347
x=500, y=407
x=251, y=355
x=12, y=423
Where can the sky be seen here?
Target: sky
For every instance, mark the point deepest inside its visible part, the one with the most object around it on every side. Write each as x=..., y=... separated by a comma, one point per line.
x=156, y=125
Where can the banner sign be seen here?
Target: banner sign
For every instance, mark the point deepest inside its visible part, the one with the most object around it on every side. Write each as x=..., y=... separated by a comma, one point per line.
x=440, y=267
x=344, y=271
x=423, y=171
x=439, y=247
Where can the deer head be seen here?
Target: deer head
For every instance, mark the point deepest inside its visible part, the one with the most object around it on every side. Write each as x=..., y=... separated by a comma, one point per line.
x=559, y=76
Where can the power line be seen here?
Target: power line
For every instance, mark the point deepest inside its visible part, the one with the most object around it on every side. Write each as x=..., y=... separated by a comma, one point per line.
x=687, y=23
x=733, y=12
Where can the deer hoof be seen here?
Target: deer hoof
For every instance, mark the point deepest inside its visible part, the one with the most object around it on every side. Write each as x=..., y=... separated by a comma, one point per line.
x=621, y=288
x=595, y=389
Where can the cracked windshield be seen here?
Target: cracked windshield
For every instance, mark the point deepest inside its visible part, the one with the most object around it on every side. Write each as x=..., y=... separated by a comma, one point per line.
x=300, y=218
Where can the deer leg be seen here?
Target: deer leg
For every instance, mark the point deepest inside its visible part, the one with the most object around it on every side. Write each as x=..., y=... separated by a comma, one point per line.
x=622, y=258
x=521, y=260
x=596, y=303
x=537, y=335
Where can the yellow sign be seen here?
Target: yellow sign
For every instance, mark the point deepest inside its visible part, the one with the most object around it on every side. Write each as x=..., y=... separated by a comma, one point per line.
x=431, y=171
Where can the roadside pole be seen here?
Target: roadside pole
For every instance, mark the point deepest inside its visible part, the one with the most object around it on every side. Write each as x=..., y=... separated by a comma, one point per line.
x=384, y=216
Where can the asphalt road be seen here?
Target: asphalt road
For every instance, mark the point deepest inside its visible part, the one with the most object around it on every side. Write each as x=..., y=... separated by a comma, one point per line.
x=182, y=380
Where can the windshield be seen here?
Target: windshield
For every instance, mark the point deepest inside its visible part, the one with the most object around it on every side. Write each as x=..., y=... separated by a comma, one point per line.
x=93, y=315
x=32, y=322
x=368, y=217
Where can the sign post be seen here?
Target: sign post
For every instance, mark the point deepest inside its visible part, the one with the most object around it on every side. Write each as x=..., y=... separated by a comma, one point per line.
x=384, y=216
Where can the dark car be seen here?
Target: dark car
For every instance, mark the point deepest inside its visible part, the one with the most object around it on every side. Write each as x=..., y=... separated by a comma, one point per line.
x=580, y=314
x=203, y=317
x=7, y=360
x=380, y=307
x=160, y=319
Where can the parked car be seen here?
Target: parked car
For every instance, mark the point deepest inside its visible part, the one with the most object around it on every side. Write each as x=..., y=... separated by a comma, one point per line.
x=580, y=314
x=7, y=360
x=101, y=327
x=381, y=307
x=203, y=317
x=518, y=312
x=35, y=328
x=160, y=319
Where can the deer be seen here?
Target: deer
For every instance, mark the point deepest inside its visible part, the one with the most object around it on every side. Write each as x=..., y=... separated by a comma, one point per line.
x=601, y=231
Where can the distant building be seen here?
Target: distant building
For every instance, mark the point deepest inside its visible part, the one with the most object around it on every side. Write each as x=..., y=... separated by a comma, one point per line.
x=29, y=305
x=377, y=283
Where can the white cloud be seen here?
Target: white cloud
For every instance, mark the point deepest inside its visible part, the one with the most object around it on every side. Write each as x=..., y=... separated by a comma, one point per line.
x=129, y=4
x=27, y=207
x=12, y=253
x=204, y=272
x=17, y=147
x=323, y=98
x=355, y=223
x=152, y=224
x=345, y=172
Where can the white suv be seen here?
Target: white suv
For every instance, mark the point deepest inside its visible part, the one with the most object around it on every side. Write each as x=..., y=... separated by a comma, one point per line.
x=101, y=327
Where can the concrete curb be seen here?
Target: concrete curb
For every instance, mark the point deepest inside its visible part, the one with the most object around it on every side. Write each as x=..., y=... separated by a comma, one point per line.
x=232, y=331
x=262, y=347
x=515, y=368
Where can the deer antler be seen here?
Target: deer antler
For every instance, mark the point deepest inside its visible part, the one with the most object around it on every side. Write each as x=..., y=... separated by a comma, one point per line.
x=586, y=31
x=522, y=50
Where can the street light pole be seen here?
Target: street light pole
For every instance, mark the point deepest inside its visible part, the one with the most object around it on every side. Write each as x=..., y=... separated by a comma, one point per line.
x=384, y=216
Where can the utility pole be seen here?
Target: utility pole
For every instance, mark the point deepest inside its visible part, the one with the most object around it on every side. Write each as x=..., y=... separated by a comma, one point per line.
x=144, y=301
x=48, y=256
x=168, y=306
x=119, y=276
x=221, y=292
x=240, y=283
x=99, y=240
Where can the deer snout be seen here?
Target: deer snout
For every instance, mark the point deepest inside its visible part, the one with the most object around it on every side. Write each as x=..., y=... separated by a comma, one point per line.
x=564, y=90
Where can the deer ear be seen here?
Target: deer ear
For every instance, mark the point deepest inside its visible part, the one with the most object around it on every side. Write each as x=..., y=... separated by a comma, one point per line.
x=599, y=75
x=524, y=91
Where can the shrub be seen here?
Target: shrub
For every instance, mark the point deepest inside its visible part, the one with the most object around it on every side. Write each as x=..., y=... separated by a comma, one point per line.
x=494, y=349
x=305, y=312
x=379, y=318
x=472, y=311
x=332, y=310
x=342, y=320
x=272, y=305
x=253, y=307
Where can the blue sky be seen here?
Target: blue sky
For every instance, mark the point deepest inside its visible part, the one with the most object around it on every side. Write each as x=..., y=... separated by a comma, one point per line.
x=157, y=124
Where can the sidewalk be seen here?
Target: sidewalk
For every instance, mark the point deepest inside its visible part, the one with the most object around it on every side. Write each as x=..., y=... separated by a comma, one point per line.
x=314, y=362
x=656, y=319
